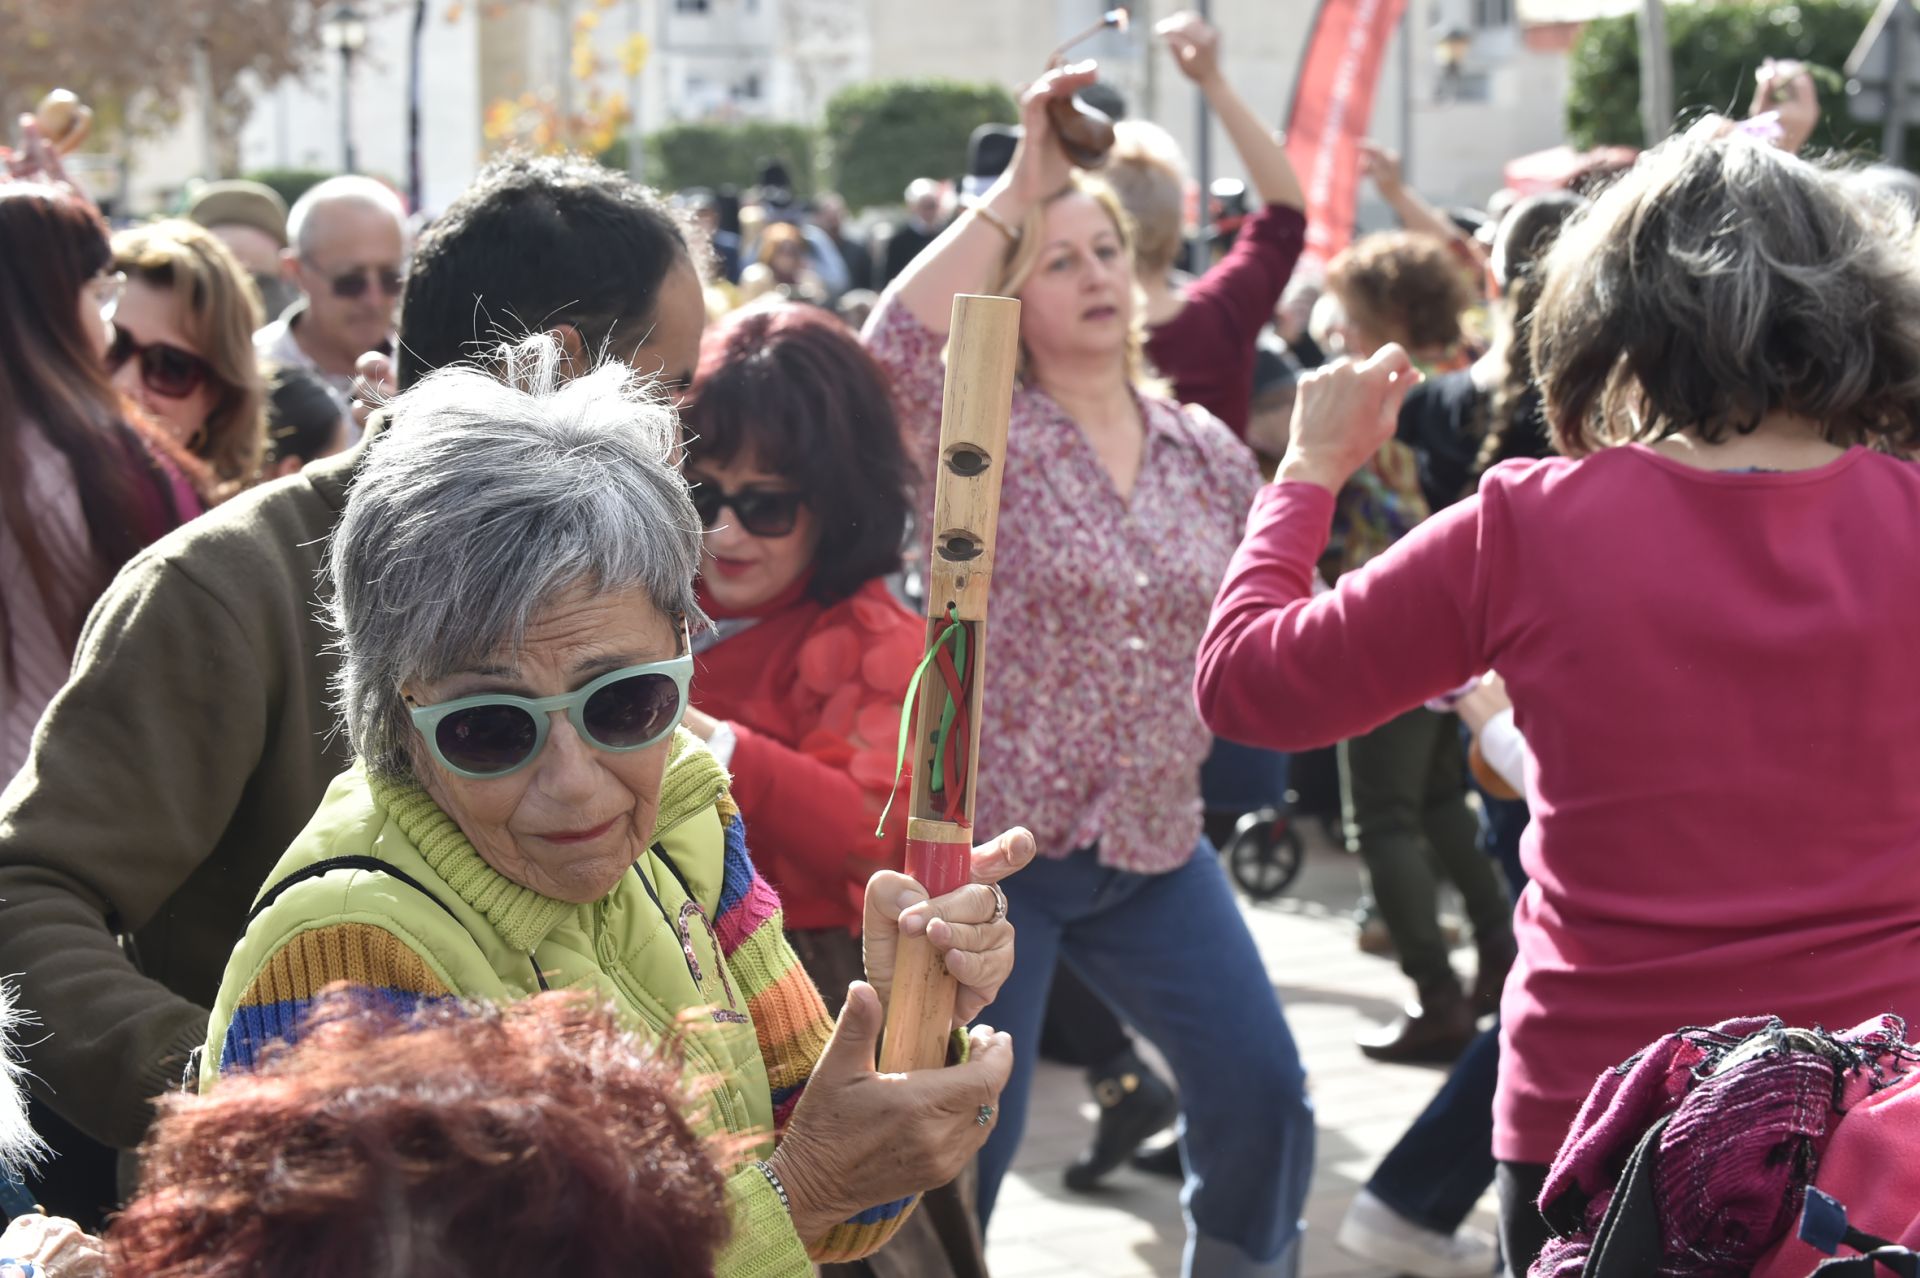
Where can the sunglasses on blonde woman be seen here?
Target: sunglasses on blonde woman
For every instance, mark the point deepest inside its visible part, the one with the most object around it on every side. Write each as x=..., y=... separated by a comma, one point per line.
x=164, y=370
x=495, y=734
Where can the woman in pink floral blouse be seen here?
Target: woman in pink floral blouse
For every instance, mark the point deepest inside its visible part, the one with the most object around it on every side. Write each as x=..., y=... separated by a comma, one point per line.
x=1119, y=514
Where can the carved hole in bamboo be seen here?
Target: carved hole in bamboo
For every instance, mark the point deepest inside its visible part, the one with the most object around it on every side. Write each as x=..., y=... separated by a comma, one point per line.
x=968, y=460
x=959, y=546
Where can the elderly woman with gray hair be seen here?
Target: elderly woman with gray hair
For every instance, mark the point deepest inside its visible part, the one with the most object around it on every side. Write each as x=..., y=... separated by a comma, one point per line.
x=512, y=585
x=1704, y=614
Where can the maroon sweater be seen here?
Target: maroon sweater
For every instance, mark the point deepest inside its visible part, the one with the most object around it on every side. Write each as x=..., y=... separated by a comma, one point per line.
x=1715, y=676
x=1207, y=349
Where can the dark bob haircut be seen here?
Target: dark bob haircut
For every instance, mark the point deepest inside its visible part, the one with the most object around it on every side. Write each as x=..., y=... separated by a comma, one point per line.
x=537, y=241
x=1718, y=281
x=790, y=386
x=539, y=1138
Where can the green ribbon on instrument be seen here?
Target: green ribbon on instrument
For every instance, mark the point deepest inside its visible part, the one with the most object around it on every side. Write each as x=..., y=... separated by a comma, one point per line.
x=956, y=634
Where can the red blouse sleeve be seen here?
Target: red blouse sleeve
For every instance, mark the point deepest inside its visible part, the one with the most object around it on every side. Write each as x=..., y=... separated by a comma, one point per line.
x=817, y=801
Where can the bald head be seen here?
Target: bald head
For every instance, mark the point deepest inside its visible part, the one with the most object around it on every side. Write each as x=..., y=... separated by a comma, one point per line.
x=336, y=196
x=348, y=252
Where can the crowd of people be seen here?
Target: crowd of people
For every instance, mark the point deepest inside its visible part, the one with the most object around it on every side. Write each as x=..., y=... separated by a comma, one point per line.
x=454, y=670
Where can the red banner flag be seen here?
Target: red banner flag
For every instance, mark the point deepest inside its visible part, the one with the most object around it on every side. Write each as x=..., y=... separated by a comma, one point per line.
x=1332, y=106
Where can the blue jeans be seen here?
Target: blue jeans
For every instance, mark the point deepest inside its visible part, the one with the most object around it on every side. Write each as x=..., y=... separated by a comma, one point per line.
x=1439, y=1168
x=1171, y=954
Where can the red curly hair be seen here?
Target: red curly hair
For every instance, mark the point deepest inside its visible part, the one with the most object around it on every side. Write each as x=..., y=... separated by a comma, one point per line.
x=540, y=1138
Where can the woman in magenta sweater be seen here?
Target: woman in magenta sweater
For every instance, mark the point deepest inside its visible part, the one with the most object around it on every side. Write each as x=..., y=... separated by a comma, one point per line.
x=1704, y=614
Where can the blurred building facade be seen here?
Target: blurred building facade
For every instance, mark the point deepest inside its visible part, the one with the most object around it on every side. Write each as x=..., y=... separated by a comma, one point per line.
x=1457, y=109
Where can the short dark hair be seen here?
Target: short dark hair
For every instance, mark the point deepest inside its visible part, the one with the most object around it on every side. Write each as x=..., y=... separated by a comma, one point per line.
x=538, y=1138
x=792, y=386
x=303, y=417
x=536, y=241
x=1718, y=281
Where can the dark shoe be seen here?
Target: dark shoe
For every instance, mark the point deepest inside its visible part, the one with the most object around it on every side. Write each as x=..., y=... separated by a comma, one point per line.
x=1434, y=1030
x=1159, y=1160
x=1135, y=1103
x=1496, y=960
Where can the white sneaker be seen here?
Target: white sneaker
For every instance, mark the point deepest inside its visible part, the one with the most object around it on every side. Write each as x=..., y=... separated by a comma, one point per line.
x=1376, y=1232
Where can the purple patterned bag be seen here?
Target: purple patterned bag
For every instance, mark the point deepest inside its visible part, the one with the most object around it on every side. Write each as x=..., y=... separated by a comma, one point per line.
x=1692, y=1159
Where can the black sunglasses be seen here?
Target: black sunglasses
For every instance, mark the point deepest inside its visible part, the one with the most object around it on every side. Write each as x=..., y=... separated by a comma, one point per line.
x=354, y=283
x=763, y=512
x=164, y=370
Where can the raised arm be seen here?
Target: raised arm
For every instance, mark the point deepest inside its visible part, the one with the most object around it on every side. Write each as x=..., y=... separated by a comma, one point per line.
x=1282, y=668
x=1195, y=46
x=968, y=253
x=1415, y=214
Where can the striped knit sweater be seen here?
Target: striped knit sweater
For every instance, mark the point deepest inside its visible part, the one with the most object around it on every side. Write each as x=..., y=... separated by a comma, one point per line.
x=398, y=941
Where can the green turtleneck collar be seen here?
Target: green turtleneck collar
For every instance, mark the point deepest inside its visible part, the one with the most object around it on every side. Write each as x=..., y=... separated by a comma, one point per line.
x=694, y=781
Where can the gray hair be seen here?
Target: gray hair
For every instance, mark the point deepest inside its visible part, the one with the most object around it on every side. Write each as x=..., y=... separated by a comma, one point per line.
x=485, y=499
x=350, y=188
x=1721, y=280
x=19, y=1146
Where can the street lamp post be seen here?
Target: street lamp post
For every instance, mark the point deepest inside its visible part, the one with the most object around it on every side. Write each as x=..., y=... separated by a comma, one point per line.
x=345, y=32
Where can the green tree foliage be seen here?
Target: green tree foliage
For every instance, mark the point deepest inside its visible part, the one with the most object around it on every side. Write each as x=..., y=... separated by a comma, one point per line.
x=1717, y=46
x=882, y=135
x=712, y=154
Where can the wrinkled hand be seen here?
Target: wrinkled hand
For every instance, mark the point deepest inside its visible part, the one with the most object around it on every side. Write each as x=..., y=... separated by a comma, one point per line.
x=1195, y=45
x=1478, y=707
x=1343, y=413
x=977, y=951
x=1382, y=167
x=860, y=1138
x=55, y=1246
x=1040, y=168
x=1786, y=89
x=374, y=383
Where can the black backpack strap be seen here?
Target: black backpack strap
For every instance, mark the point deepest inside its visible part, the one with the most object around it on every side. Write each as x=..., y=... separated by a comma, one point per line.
x=322, y=868
x=1627, y=1244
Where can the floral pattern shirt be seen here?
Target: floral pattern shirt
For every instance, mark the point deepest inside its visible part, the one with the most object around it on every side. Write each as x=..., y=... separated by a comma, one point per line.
x=1089, y=732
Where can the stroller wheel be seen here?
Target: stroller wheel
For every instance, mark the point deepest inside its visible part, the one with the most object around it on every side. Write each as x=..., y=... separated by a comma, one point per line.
x=1265, y=854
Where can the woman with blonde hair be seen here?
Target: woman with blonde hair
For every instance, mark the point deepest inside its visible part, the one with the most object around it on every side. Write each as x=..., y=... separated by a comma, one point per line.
x=183, y=345
x=1119, y=512
x=783, y=267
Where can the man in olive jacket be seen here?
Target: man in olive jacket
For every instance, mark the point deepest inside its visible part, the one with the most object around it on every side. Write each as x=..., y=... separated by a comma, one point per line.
x=194, y=739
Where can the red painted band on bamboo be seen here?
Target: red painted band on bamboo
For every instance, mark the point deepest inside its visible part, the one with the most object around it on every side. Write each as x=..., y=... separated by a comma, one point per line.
x=940, y=868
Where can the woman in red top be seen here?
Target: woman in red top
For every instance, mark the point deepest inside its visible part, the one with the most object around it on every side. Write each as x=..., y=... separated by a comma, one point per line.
x=801, y=476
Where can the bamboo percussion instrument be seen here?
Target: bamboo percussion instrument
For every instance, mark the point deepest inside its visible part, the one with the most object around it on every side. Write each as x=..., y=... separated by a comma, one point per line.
x=983, y=347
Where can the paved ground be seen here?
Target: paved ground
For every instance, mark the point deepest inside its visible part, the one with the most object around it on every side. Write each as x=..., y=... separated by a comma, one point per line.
x=1330, y=990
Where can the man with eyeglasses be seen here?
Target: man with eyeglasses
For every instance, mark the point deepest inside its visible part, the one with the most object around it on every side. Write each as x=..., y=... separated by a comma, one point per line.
x=347, y=254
